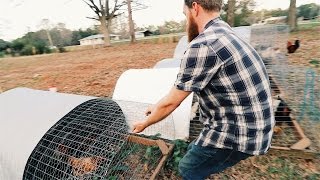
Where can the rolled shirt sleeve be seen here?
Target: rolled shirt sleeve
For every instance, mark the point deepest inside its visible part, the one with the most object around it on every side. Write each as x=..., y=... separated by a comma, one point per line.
x=199, y=64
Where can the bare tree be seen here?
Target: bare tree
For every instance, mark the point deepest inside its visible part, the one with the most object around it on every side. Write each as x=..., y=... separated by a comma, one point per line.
x=106, y=10
x=230, y=12
x=292, y=19
x=45, y=24
x=133, y=5
x=105, y=13
x=131, y=24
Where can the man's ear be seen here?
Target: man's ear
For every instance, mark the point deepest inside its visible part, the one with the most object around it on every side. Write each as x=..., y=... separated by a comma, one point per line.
x=195, y=8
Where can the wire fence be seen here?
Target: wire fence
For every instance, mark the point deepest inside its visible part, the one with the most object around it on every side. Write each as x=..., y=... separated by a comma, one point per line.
x=93, y=142
x=135, y=112
x=295, y=90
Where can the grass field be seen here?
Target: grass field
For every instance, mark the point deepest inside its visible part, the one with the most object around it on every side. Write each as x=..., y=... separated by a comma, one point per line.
x=94, y=72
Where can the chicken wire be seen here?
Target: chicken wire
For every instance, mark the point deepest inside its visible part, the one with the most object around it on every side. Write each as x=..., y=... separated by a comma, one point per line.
x=270, y=41
x=295, y=89
x=135, y=112
x=299, y=89
x=308, y=111
x=266, y=40
x=91, y=142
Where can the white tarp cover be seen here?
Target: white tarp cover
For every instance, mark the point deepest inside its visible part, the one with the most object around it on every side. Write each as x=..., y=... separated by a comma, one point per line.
x=181, y=48
x=168, y=63
x=149, y=86
x=244, y=32
x=25, y=116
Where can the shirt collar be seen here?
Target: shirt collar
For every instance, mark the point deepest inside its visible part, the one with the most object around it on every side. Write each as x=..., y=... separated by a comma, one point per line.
x=213, y=21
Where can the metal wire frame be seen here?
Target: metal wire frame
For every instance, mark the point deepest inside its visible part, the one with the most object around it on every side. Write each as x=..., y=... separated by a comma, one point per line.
x=135, y=112
x=267, y=40
x=195, y=124
x=91, y=142
x=300, y=88
x=295, y=89
x=296, y=92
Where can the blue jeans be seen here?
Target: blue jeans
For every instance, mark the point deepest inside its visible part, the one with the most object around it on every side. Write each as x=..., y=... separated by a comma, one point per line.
x=200, y=162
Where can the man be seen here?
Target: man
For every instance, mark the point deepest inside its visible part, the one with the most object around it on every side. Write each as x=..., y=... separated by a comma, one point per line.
x=233, y=89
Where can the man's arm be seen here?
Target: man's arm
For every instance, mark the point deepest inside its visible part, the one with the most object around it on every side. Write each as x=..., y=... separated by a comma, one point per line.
x=162, y=109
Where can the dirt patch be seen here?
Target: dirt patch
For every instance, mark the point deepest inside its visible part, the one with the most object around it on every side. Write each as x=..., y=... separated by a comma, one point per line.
x=92, y=72
x=95, y=72
x=309, y=48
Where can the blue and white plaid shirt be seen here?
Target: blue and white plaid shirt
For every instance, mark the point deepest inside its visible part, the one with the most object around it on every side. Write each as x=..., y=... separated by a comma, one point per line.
x=233, y=89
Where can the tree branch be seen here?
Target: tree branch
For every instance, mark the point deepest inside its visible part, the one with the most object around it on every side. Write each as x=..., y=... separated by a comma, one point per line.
x=114, y=16
x=93, y=18
x=102, y=10
x=100, y=2
x=118, y=8
x=136, y=6
x=107, y=5
x=93, y=7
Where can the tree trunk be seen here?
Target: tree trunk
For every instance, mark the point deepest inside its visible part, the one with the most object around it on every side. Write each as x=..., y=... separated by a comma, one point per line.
x=131, y=25
x=109, y=24
x=292, y=19
x=49, y=38
x=230, y=12
x=105, y=30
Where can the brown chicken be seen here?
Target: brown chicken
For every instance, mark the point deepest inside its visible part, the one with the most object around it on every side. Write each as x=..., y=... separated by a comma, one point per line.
x=277, y=130
x=84, y=165
x=293, y=47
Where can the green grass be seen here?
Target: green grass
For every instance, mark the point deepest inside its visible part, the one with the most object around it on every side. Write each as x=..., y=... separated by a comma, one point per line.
x=315, y=62
x=309, y=26
x=285, y=169
x=180, y=149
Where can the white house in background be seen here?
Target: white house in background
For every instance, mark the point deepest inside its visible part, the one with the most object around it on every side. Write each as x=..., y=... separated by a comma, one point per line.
x=142, y=34
x=276, y=20
x=97, y=39
x=273, y=20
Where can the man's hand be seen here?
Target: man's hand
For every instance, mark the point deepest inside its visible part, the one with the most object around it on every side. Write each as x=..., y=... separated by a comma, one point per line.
x=139, y=127
x=162, y=109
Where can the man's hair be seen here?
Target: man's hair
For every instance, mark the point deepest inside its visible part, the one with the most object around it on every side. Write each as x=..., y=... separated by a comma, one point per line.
x=208, y=5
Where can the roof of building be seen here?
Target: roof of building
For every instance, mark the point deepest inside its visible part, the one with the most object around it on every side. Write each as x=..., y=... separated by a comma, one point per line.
x=276, y=18
x=98, y=36
x=144, y=31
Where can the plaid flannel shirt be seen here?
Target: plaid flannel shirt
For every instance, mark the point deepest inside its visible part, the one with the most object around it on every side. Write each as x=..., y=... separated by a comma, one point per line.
x=233, y=90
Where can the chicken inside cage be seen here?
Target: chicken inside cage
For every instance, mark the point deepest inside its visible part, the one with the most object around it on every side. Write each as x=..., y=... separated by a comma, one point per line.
x=296, y=97
x=93, y=142
x=285, y=133
x=68, y=136
x=294, y=88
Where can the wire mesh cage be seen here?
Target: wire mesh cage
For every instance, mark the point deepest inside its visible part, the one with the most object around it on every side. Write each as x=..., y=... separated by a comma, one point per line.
x=296, y=92
x=268, y=41
x=195, y=121
x=93, y=142
x=135, y=112
x=298, y=112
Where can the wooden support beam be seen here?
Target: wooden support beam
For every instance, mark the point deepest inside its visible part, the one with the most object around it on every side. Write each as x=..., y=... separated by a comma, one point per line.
x=165, y=148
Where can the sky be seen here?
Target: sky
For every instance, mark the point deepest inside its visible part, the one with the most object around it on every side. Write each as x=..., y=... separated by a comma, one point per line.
x=17, y=17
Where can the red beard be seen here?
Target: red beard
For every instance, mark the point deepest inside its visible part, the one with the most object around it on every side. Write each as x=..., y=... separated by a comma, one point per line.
x=192, y=29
